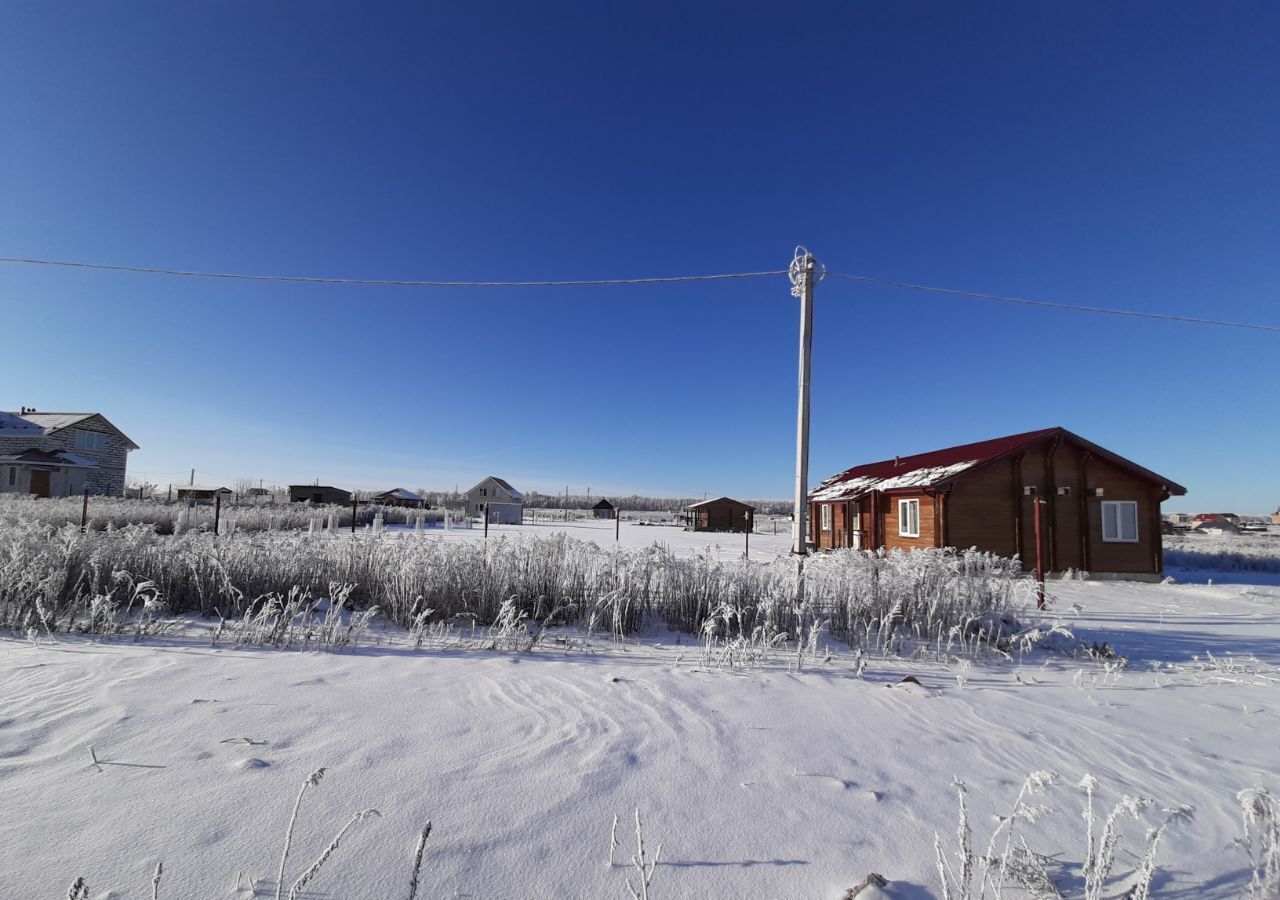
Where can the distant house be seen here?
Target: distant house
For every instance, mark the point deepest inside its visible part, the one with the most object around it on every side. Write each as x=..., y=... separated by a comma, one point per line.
x=604, y=510
x=496, y=499
x=1213, y=517
x=398, y=497
x=1219, y=525
x=1275, y=517
x=1100, y=512
x=720, y=514
x=203, y=493
x=318, y=493
x=1178, y=518
x=53, y=454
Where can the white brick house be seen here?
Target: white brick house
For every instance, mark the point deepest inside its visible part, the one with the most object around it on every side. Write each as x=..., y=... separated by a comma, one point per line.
x=51, y=454
x=503, y=503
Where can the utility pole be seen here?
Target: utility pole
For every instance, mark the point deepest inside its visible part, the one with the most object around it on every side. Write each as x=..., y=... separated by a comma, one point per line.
x=804, y=272
x=193, y=478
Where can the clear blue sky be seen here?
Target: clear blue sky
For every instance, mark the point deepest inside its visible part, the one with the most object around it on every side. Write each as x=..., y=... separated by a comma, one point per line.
x=1096, y=153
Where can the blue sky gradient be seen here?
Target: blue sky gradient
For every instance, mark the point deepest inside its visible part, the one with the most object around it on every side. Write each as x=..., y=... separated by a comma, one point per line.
x=1116, y=155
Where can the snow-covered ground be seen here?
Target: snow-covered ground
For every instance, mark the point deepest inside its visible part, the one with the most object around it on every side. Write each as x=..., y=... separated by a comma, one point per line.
x=724, y=546
x=763, y=783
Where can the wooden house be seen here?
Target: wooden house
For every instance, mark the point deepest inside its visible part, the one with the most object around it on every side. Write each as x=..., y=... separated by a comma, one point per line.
x=1099, y=512
x=318, y=493
x=604, y=510
x=721, y=514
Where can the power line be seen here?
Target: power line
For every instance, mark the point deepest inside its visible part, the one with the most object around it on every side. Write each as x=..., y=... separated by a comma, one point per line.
x=866, y=279
x=975, y=295
x=384, y=282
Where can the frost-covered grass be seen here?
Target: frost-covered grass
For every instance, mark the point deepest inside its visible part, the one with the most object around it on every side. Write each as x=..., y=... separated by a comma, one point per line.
x=177, y=517
x=57, y=579
x=1228, y=552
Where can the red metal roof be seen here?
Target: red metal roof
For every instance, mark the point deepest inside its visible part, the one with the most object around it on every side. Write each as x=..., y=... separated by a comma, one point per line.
x=940, y=466
x=980, y=452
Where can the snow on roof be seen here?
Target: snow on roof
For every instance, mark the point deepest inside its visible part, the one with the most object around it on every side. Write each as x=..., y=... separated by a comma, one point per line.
x=921, y=470
x=926, y=476
x=201, y=488
x=52, y=421
x=719, y=500
x=36, y=424
x=34, y=457
x=77, y=460
x=505, y=485
x=399, y=494
x=929, y=469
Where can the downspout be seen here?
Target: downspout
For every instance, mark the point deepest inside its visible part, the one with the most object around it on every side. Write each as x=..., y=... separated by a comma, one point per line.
x=942, y=519
x=1017, y=507
x=1051, y=534
x=1084, y=510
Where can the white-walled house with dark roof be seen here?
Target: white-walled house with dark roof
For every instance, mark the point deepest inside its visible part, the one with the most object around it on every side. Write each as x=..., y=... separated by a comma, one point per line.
x=57, y=454
x=497, y=499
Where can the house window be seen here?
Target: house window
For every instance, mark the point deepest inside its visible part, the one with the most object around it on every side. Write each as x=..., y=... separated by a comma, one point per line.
x=909, y=518
x=1120, y=521
x=90, y=440
x=826, y=517
x=13, y=475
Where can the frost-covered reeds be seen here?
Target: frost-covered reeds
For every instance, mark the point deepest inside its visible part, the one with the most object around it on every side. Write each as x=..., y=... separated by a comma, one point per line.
x=1228, y=553
x=262, y=584
x=1010, y=868
x=175, y=517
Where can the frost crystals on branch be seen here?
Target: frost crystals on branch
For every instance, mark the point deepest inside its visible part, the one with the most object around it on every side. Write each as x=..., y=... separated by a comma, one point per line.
x=644, y=867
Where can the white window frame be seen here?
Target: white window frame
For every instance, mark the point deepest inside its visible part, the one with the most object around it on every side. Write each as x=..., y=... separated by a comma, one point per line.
x=909, y=518
x=1117, y=534
x=90, y=440
x=826, y=517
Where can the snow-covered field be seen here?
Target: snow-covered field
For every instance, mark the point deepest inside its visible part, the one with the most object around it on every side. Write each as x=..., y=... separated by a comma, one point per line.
x=1239, y=553
x=606, y=533
x=763, y=782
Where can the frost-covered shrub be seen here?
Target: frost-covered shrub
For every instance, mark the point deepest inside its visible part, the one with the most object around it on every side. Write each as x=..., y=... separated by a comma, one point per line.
x=177, y=517
x=50, y=575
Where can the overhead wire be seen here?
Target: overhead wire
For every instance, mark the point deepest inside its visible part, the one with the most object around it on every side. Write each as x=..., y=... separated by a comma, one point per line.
x=383, y=282
x=977, y=295
x=865, y=279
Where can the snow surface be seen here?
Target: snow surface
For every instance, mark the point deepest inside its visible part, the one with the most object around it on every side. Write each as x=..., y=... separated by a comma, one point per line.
x=759, y=783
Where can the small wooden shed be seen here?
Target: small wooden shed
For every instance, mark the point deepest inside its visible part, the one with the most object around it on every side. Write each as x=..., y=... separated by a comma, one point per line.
x=399, y=497
x=318, y=493
x=721, y=514
x=604, y=510
x=203, y=493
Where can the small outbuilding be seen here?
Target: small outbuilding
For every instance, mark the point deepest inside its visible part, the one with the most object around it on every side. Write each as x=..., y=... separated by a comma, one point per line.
x=203, y=493
x=604, y=510
x=399, y=497
x=721, y=514
x=318, y=493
